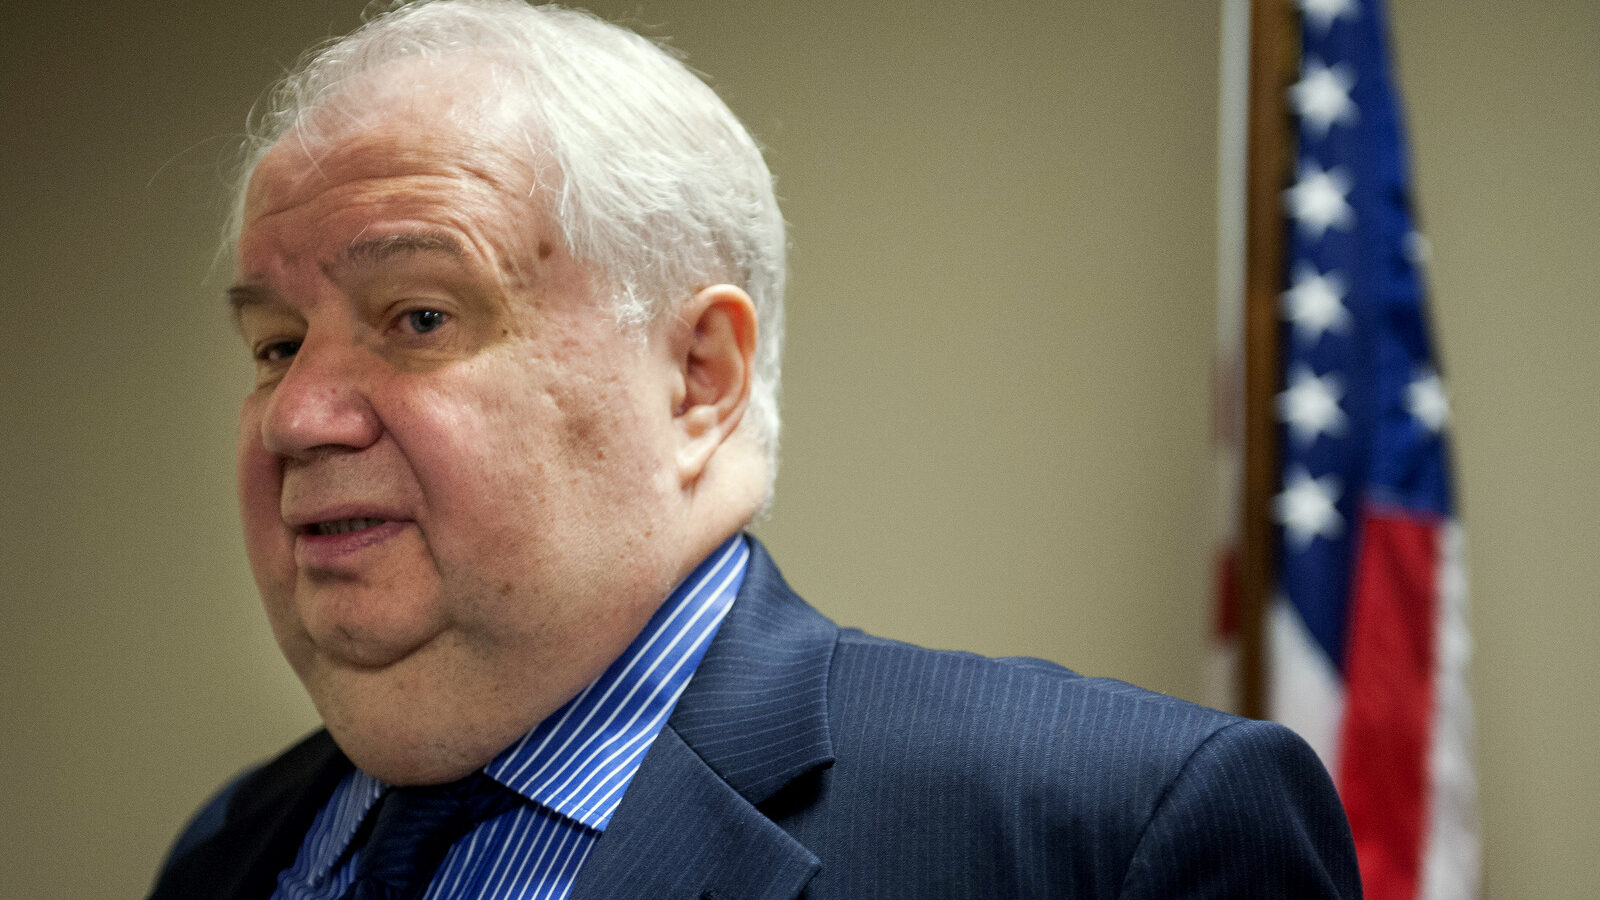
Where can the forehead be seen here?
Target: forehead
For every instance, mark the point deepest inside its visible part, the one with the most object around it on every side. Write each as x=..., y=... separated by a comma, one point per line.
x=381, y=164
x=397, y=143
x=305, y=212
x=415, y=119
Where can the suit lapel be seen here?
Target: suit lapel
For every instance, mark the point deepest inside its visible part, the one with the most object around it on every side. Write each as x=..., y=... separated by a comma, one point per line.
x=682, y=832
x=752, y=721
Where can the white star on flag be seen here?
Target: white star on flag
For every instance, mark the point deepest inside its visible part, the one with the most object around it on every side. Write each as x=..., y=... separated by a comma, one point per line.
x=1427, y=402
x=1315, y=304
x=1306, y=507
x=1317, y=200
x=1417, y=248
x=1322, y=96
x=1322, y=13
x=1311, y=405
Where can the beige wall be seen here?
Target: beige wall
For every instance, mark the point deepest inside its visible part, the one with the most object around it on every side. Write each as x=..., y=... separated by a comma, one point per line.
x=996, y=394
x=1505, y=108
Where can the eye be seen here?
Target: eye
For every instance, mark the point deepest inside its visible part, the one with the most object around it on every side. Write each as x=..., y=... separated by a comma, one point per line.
x=423, y=321
x=278, y=351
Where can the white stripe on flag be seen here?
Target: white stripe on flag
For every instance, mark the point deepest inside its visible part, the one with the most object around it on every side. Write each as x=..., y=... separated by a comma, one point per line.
x=1305, y=691
x=1450, y=863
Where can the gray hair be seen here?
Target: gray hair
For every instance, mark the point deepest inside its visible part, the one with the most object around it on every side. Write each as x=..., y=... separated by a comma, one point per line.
x=656, y=183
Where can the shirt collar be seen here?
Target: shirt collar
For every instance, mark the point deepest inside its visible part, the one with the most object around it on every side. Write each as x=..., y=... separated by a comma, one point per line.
x=580, y=759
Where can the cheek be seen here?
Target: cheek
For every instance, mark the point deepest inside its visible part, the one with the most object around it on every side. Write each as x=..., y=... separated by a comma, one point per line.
x=492, y=457
x=506, y=464
x=259, y=482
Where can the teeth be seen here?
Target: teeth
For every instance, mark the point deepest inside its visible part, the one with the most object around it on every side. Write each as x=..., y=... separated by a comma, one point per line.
x=345, y=526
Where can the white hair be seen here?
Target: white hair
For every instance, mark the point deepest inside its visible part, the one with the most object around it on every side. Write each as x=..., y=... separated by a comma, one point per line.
x=656, y=184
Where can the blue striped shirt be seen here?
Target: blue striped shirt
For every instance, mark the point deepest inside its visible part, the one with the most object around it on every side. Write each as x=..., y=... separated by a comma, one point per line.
x=573, y=767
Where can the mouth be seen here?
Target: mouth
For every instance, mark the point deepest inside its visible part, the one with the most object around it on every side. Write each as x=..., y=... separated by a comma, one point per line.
x=341, y=526
x=338, y=544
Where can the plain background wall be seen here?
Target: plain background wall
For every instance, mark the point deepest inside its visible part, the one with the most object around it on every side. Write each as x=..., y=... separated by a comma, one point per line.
x=996, y=398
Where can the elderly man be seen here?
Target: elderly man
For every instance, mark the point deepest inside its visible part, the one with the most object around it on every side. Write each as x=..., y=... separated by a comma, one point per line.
x=511, y=279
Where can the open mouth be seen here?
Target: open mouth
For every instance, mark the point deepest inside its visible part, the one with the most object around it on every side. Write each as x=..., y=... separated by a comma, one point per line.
x=342, y=526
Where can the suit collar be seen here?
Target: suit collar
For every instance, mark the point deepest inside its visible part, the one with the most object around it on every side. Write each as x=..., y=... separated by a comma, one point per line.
x=683, y=832
x=757, y=708
x=753, y=721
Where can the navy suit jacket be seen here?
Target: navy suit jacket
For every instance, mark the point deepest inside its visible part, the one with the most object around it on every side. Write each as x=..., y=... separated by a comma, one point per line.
x=805, y=760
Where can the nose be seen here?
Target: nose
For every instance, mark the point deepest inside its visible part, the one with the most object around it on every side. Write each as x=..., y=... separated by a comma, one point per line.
x=323, y=401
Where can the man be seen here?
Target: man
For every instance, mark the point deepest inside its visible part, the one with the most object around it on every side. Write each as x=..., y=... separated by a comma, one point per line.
x=512, y=282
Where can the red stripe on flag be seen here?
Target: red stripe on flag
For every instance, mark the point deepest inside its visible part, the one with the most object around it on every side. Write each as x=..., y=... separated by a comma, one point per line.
x=1383, y=769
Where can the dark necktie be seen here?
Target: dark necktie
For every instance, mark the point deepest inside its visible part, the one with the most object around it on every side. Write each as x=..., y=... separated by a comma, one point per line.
x=413, y=827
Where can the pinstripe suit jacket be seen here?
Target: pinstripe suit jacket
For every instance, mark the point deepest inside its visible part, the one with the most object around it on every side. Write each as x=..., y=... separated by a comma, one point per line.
x=809, y=761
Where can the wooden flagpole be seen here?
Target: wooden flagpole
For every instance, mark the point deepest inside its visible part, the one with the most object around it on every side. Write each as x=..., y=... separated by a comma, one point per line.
x=1274, y=62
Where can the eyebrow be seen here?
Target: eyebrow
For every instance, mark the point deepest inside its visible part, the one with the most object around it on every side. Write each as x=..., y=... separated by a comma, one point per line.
x=387, y=247
x=243, y=295
x=369, y=252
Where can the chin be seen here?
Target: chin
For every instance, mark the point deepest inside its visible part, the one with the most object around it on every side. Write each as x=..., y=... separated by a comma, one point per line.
x=400, y=758
x=397, y=734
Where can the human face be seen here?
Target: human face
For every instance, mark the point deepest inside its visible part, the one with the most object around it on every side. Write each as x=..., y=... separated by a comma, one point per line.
x=454, y=468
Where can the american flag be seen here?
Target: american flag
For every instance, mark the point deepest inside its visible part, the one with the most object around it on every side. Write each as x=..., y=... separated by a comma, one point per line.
x=1368, y=640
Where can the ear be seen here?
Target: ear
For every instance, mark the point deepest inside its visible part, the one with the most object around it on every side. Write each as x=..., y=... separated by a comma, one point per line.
x=714, y=360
